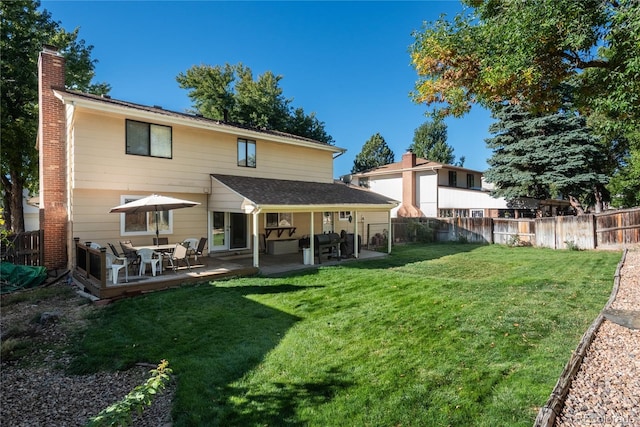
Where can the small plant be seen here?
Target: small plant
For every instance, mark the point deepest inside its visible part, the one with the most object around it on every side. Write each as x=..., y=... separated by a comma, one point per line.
x=571, y=245
x=514, y=241
x=120, y=413
x=462, y=238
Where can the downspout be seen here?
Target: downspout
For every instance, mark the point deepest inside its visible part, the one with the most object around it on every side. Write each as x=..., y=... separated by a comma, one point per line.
x=209, y=223
x=311, y=241
x=389, y=233
x=355, y=236
x=256, y=242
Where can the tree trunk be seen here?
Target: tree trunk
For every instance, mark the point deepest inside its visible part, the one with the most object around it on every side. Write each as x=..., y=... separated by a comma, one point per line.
x=597, y=193
x=576, y=205
x=14, y=216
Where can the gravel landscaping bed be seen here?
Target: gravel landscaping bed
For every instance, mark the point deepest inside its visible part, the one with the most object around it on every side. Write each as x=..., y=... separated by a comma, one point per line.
x=606, y=389
x=34, y=388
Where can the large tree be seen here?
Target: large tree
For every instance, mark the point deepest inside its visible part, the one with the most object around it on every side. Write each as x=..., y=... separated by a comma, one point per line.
x=545, y=155
x=430, y=142
x=375, y=152
x=529, y=52
x=230, y=93
x=23, y=31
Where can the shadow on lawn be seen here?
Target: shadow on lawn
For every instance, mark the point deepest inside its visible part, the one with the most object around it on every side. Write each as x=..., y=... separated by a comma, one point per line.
x=401, y=255
x=212, y=336
x=280, y=405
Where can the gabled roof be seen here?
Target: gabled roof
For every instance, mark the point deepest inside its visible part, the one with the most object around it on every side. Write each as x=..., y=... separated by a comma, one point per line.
x=106, y=103
x=276, y=194
x=421, y=164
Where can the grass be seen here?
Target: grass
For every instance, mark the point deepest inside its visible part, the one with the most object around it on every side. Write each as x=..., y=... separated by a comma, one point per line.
x=22, y=340
x=433, y=335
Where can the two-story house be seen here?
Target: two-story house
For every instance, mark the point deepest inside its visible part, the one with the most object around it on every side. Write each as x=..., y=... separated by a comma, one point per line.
x=430, y=189
x=251, y=184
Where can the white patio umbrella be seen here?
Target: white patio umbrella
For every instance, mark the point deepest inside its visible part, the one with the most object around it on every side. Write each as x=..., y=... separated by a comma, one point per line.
x=153, y=203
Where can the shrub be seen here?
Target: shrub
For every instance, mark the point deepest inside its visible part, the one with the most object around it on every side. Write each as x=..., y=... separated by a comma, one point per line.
x=420, y=231
x=119, y=414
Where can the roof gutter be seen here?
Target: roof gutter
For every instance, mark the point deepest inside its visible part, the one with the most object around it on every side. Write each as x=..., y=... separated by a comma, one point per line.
x=320, y=208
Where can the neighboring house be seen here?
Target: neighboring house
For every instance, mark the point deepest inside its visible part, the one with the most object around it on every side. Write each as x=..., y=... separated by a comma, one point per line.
x=253, y=185
x=31, y=212
x=430, y=189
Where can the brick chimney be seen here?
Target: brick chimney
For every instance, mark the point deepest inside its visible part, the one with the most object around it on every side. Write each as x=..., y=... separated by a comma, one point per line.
x=53, y=159
x=408, y=207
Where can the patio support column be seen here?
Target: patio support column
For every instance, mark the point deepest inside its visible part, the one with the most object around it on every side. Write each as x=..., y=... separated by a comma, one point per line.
x=311, y=241
x=256, y=243
x=356, y=249
x=389, y=233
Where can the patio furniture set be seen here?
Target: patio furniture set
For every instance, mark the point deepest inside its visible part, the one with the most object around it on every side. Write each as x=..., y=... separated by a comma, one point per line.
x=152, y=256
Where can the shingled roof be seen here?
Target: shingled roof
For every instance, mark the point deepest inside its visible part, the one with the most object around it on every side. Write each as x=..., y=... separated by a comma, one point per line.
x=107, y=100
x=273, y=192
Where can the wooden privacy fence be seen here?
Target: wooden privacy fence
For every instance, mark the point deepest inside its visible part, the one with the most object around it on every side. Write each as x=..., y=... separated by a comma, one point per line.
x=24, y=248
x=618, y=228
x=615, y=229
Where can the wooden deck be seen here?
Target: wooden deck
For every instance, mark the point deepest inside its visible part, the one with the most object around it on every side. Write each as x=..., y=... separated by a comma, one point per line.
x=209, y=268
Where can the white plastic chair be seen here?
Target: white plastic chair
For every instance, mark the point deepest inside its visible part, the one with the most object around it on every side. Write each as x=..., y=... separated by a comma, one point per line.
x=114, y=265
x=147, y=257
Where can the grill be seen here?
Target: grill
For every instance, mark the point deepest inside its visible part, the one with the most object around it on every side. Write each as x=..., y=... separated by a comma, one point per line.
x=322, y=242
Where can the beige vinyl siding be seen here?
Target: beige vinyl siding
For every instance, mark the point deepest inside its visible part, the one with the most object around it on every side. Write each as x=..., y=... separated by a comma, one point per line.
x=101, y=162
x=374, y=218
x=93, y=222
x=223, y=199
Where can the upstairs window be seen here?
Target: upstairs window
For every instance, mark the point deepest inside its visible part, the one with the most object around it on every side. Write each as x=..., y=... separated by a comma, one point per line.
x=453, y=179
x=246, y=153
x=146, y=139
x=471, y=180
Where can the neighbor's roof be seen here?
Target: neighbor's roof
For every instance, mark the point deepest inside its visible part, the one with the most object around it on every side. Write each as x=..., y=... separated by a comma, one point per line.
x=267, y=193
x=106, y=103
x=421, y=164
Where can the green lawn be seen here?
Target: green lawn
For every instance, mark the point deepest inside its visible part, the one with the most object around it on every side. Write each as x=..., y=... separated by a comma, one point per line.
x=434, y=335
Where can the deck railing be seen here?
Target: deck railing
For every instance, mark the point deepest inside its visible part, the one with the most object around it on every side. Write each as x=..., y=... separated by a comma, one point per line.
x=91, y=264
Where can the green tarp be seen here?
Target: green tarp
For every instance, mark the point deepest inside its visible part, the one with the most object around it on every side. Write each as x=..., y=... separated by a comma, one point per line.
x=14, y=277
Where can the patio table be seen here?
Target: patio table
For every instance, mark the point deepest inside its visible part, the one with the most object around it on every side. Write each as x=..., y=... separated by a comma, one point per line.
x=158, y=248
x=163, y=249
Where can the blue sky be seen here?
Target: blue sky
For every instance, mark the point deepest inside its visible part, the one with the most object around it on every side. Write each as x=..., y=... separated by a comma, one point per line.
x=346, y=61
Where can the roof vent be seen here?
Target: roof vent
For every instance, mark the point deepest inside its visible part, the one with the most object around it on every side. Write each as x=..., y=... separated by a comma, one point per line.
x=158, y=107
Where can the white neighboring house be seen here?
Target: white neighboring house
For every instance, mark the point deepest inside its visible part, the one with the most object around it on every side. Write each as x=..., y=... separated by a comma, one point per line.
x=430, y=189
x=31, y=211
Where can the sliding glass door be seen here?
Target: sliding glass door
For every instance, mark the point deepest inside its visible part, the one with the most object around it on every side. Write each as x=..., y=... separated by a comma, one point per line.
x=230, y=231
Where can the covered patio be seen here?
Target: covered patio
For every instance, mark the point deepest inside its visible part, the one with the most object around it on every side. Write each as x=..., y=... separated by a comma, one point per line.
x=310, y=202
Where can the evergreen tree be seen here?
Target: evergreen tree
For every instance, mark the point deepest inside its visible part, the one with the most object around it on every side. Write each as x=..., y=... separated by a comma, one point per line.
x=430, y=142
x=544, y=156
x=375, y=152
